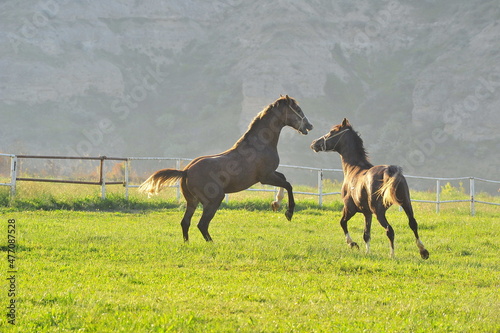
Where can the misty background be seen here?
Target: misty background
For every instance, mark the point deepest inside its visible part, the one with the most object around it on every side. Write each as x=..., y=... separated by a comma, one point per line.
x=419, y=80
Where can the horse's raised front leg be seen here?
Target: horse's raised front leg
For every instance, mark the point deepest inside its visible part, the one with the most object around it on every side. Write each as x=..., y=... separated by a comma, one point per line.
x=275, y=205
x=346, y=216
x=278, y=179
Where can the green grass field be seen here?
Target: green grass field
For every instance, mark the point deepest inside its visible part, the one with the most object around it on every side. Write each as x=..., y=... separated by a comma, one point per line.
x=118, y=267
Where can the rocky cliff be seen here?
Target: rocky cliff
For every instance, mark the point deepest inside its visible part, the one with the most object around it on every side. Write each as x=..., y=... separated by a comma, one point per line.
x=419, y=80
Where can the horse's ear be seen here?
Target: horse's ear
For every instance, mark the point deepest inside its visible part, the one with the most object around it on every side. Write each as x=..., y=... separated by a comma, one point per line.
x=287, y=98
x=345, y=122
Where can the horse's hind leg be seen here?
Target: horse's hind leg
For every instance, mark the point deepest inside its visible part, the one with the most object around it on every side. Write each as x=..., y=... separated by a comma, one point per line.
x=380, y=213
x=279, y=197
x=191, y=204
x=414, y=226
x=209, y=210
x=186, y=220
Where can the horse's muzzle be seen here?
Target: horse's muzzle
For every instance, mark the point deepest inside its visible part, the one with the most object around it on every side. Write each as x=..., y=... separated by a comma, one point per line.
x=306, y=128
x=316, y=145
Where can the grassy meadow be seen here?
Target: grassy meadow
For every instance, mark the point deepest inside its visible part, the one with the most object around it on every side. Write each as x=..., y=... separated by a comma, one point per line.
x=89, y=265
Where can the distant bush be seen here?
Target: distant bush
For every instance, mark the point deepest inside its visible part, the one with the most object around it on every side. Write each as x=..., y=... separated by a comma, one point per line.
x=450, y=191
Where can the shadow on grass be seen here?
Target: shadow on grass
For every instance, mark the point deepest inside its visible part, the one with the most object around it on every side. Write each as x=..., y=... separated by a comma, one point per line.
x=90, y=203
x=265, y=204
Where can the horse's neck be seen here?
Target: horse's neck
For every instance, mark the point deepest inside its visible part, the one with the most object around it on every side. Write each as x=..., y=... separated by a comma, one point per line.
x=265, y=132
x=353, y=164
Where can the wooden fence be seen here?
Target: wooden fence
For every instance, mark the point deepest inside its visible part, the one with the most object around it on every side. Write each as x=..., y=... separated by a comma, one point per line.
x=320, y=193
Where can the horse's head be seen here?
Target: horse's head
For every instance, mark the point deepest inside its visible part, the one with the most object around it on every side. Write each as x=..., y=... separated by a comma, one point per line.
x=331, y=141
x=293, y=116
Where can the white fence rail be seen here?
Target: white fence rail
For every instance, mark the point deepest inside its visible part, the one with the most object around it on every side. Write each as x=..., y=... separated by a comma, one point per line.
x=320, y=193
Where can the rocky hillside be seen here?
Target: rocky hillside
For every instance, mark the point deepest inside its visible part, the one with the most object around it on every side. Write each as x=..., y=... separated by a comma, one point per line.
x=420, y=80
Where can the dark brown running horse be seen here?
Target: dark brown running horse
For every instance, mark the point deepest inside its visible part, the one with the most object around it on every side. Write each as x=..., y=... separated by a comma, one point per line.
x=253, y=158
x=367, y=189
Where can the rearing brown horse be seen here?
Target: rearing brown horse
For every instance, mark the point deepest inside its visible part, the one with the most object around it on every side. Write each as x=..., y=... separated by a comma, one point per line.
x=367, y=189
x=253, y=158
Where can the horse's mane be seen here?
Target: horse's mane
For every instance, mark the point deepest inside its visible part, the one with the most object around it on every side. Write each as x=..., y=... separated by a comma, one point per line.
x=355, y=147
x=258, y=118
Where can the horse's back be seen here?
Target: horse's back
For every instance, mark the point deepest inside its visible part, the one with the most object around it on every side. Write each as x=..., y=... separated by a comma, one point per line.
x=362, y=186
x=387, y=178
x=379, y=172
x=225, y=171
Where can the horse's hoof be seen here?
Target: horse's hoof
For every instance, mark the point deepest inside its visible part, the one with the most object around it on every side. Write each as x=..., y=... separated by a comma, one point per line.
x=275, y=206
x=424, y=254
x=289, y=215
x=354, y=245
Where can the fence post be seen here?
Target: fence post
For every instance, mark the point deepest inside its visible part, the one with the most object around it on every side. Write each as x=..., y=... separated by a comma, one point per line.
x=101, y=178
x=13, y=175
x=438, y=190
x=320, y=188
x=472, y=194
x=127, y=175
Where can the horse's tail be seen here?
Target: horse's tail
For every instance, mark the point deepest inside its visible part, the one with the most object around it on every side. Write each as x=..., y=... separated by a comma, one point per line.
x=393, y=174
x=159, y=179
